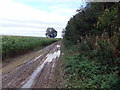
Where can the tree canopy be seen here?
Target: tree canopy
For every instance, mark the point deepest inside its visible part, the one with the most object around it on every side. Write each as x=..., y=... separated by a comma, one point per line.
x=51, y=32
x=92, y=47
x=95, y=19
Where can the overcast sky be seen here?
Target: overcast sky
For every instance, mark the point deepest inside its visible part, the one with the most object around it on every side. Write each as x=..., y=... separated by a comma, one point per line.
x=33, y=17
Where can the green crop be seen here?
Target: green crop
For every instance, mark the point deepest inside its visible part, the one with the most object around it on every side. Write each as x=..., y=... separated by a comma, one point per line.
x=15, y=45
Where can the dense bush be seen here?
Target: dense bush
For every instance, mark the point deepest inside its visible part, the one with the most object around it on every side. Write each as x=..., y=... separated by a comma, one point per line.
x=92, y=20
x=96, y=68
x=95, y=32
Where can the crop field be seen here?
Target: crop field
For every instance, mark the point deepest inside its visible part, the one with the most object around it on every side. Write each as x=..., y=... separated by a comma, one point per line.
x=15, y=45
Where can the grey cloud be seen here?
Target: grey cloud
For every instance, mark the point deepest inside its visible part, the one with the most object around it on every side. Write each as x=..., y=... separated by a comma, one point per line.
x=21, y=23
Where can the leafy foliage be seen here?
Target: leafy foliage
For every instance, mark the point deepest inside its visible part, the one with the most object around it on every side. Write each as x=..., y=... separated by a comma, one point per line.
x=13, y=45
x=95, y=68
x=94, y=32
x=51, y=33
x=95, y=19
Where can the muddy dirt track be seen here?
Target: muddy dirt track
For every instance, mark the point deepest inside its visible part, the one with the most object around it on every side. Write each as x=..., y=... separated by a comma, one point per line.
x=34, y=73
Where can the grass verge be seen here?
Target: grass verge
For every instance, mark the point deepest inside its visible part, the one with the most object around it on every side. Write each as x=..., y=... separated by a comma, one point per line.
x=90, y=66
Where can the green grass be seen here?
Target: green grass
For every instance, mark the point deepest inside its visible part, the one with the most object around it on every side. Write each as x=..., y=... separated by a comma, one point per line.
x=90, y=66
x=15, y=45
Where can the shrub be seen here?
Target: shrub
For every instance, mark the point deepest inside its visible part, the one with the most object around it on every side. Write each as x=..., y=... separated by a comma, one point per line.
x=92, y=68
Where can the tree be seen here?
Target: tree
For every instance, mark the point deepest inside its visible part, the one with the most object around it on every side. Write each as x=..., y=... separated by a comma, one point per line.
x=82, y=23
x=51, y=32
x=94, y=19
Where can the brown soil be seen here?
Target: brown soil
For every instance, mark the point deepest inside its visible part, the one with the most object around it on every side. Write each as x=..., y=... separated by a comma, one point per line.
x=38, y=70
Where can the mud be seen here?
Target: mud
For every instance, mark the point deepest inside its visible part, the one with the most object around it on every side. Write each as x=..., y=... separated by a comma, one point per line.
x=36, y=72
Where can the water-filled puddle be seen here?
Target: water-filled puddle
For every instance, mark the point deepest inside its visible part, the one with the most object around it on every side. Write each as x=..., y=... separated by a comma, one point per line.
x=49, y=58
